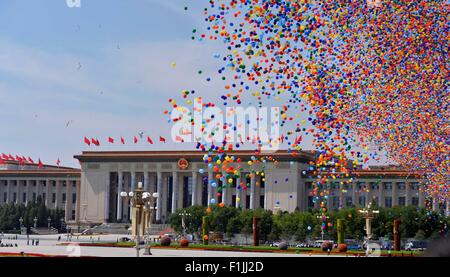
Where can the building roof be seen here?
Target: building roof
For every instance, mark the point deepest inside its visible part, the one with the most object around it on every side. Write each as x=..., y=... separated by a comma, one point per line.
x=10, y=168
x=377, y=173
x=122, y=156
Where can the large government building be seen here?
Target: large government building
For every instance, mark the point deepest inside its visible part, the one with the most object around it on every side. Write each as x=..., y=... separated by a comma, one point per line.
x=90, y=195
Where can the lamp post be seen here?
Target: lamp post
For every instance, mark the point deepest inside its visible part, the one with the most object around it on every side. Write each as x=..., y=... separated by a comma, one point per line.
x=183, y=215
x=21, y=223
x=49, y=220
x=143, y=205
x=324, y=221
x=35, y=222
x=368, y=213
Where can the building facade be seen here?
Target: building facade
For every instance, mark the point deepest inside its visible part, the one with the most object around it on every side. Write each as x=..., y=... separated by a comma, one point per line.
x=58, y=187
x=182, y=179
x=91, y=195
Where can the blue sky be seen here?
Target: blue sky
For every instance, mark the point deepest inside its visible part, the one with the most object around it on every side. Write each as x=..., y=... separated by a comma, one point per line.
x=104, y=69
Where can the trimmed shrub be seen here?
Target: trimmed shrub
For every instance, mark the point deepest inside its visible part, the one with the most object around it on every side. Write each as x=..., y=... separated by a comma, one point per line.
x=165, y=241
x=327, y=246
x=342, y=247
x=283, y=246
x=184, y=243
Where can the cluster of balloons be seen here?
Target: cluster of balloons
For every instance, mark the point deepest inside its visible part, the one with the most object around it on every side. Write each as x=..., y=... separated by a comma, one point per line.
x=369, y=76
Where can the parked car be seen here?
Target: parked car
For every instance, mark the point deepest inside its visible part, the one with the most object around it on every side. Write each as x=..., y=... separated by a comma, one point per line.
x=124, y=239
x=416, y=245
x=354, y=247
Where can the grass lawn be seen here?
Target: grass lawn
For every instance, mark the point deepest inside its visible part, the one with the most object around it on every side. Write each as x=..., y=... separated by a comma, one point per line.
x=254, y=248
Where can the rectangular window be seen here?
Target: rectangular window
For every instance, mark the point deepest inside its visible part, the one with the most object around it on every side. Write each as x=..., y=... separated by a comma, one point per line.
x=233, y=200
x=54, y=198
x=74, y=198
x=34, y=197
x=64, y=198
x=388, y=202
x=44, y=198
x=15, y=197
x=362, y=201
x=308, y=185
x=24, y=197
x=73, y=215
x=311, y=202
x=205, y=191
x=402, y=201
x=247, y=201
x=401, y=186
x=415, y=201
x=387, y=186
x=262, y=184
x=261, y=201
x=5, y=197
x=349, y=201
x=374, y=186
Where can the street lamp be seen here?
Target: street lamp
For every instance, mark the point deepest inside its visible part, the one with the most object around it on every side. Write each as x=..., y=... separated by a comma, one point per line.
x=183, y=220
x=143, y=204
x=49, y=220
x=35, y=222
x=324, y=220
x=368, y=213
x=21, y=222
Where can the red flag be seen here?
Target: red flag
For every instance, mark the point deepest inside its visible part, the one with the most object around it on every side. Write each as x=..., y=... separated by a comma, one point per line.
x=149, y=140
x=122, y=140
x=4, y=156
x=96, y=142
x=40, y=164
x=11, y=157
x=135, y=140
x=2, y=161
x=18, y=158
x=87, y=141
x=110, y=140
x=162, y=139
x=58, y=162
x=30, y=160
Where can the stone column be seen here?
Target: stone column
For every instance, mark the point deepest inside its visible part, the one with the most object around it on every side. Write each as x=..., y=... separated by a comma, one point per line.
x=355, y=199
x=68, y=208
x=78, y=207
x=238, y=192
x=160, y=194
x=210, y=189
x=435, y=204
x=174, y=191
x=119, y=198
x=381, y=195
x=48, y=199
x=58, y=196
x=341, y=197
x=408, y=201
x=8, y=191
x=28, y=200
x=18, y=200
x=107, y=198
x=421, y=197
x=252, y=191
x=133, y=180
x=194, y=187
x=146, y=181
x=447, y=207
x=394, y=194
x=224, y=188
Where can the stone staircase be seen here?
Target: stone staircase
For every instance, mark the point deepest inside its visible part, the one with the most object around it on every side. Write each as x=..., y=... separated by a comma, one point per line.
x=44, y=231
x=120, y=228
x=112, y=228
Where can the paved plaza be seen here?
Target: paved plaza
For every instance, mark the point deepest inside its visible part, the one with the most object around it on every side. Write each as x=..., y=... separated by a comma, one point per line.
x=48, y=245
